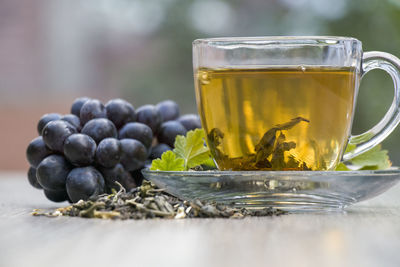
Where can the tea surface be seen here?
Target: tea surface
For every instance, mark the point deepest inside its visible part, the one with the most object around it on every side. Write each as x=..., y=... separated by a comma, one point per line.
x=276, y=118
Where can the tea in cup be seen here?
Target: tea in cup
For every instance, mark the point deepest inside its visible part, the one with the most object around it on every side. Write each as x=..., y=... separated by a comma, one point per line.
x=285, y=103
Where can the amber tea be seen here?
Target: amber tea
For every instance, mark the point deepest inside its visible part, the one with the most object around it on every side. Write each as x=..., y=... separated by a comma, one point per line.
x=287, y=118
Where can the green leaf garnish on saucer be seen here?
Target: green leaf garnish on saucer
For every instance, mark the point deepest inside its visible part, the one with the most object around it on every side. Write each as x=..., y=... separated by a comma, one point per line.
x=190, y=151
x=374, y=159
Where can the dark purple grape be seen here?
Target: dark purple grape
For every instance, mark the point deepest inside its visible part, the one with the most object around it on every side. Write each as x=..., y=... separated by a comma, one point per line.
x=190, y=121
x=138, y=176
x=37, y=151
x=92, y=109
x=52, y=172
x=73, y=120
x=168, y=110
x=77, y=105
x=80, y=149
x=148, y=115
x=32, y=178
x=56, y=195
x=109, y=152
x=138, y=131
x=129, y=182
x=55, y=133
x=83, y=183
x=120, y=112
x=169, y=130
x=117, y=174
x=158, y=150
x=134, y=154
x=46, y=118
x=99, y=129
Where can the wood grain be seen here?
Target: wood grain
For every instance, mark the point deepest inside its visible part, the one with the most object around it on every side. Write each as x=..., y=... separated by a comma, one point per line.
x=368, y=234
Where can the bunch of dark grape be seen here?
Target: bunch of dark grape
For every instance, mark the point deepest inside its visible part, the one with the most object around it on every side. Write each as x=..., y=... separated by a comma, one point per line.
x=84, y=154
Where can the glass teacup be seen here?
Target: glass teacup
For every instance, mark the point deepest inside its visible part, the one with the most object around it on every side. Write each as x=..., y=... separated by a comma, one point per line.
x=286, y=103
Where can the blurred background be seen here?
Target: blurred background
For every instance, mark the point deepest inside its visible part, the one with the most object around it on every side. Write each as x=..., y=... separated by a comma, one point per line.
x=52, y=51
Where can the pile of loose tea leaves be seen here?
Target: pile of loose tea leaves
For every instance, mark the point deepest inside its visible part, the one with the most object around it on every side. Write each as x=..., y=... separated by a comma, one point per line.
x=147, y=202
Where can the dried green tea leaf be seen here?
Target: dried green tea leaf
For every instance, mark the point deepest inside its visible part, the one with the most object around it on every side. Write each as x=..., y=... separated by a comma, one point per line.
x=291, y=123
x=215, y=136
x=214, y=140
x=168, y=162
x=148, y=202
x=267, y=141
x=292, y=163
x=261, y=163
x=266, y=145
x=278, y=156
x=304, y=167
x=270, y=145
x=191, y=148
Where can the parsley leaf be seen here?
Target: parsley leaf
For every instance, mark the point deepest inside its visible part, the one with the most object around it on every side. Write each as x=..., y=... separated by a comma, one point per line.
x=168, y=162
x=373, y=159
x=192, y=149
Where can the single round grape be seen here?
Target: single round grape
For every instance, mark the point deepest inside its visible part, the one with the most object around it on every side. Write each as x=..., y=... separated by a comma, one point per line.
x=73, y=120
x=92, y=109
x=37, y=151
x=128, y=181
x=168, y=110
x=77, y=105
x=169, y=130
x=134, y=154
x=52, y=172
x=32, y=178
x=83, y=183
x=158, y=150
x=112, y=175
x=190, y=121
x=55, y=133
x=80, y=149
x=46, y=118
x=137, y=176
x=56, y=195
x=99, y=129
x=149, y=115
x=138, y=131
x=120, y=112
x=117, y=174
x=109, y=152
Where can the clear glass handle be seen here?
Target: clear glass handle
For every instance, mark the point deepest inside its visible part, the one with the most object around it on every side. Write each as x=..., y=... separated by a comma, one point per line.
x=371, y=138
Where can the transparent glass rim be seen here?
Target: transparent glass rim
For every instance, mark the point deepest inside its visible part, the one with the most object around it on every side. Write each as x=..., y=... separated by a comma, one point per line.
x=265, y=40
x=392, y=170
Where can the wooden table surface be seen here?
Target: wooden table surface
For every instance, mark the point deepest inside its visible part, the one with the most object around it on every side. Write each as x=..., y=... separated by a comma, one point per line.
x=368, y=234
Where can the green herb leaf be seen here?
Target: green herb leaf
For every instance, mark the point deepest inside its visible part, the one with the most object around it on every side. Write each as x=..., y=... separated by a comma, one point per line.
x=374, y=159
x=168, y=162
x=191, y=148
x=342, y=167
x=209, y=164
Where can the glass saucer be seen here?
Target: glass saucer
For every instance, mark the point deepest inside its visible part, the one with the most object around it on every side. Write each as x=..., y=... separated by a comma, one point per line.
x=287, y=190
